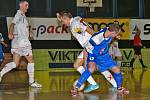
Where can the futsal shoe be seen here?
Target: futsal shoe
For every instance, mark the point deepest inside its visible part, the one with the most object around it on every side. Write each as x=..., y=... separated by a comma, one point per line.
x=35, y=85
x=91, y=87
x=113, y=89
x=123, y=90
x=35, y=90
x=74, y=92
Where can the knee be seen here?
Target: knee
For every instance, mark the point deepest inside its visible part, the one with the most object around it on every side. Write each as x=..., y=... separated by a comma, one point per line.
x=119, y=58
x=30, y=59
x=116, y=70
x=15, y=64
x=92, y=69
x=75, y=65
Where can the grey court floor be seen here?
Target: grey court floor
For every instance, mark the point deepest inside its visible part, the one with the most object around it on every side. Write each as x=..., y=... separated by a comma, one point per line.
x=56, y=86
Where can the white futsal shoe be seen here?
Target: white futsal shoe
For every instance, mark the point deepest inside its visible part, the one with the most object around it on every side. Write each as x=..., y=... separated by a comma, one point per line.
x=35, y=85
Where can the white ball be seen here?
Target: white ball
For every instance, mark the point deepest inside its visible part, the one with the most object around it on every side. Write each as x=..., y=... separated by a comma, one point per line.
x=81, y=87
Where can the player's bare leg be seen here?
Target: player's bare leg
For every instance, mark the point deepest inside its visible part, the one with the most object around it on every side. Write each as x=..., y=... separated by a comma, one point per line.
x=30, y=70
x=8, y=67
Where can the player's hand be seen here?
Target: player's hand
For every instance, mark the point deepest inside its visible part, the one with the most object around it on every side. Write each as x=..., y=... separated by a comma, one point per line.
x=6, y=45
x=144, y=47
x=31, y=34
x=10, y=36
x=114, y=45
x=58, y=16
x=141, y=44
x=118, y=37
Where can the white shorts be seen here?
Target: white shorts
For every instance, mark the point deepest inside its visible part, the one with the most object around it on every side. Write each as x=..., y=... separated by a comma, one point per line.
x=115, y=51
x=22, y=51
x=80, y=55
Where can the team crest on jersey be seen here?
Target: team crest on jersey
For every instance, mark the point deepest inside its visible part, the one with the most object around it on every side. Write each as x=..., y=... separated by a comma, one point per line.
x=102, y=50
x=78, y=30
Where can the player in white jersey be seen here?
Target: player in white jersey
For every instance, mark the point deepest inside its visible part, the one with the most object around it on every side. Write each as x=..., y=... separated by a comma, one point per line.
x=80, y=61
x=115, y=52
x=82, y=32
x=21, y=46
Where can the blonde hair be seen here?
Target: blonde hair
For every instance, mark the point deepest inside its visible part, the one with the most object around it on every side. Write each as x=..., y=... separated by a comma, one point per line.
x=114, y=28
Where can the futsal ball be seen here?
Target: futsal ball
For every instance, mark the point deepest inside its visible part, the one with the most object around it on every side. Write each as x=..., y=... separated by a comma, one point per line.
x=81, y=87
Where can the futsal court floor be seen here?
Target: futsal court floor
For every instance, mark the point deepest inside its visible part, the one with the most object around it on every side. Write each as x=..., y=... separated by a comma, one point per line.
x=56, y=86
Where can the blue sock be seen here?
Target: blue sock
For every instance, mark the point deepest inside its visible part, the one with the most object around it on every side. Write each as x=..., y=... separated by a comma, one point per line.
x=118, y=79
x=85, y=75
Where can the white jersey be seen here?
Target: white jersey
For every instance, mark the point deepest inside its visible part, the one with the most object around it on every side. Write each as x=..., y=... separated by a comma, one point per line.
x=78, y=30
x=1, y=37
x=21, y=31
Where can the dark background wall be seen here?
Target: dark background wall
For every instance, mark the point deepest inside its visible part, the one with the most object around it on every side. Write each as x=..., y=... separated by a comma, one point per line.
x=48, y=8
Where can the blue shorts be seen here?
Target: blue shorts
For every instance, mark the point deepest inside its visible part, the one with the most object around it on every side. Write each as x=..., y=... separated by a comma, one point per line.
x=105, y=62
x=91, y=58
x=1, y=56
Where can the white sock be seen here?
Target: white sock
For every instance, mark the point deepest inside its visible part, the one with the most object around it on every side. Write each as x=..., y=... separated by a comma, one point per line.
x=8, y=67
x=110, y=78
x=30, y=69
x=90, y=79
x=119, y=63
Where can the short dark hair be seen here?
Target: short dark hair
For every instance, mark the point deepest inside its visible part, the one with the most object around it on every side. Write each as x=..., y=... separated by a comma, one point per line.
x=116, y=22
x=114, y=28
x=66, y=13
x=21, y=1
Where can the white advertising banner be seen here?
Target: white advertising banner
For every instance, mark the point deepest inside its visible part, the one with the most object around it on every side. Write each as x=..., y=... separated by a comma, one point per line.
x=143, y=25
x=50, y=29
x=46, y=29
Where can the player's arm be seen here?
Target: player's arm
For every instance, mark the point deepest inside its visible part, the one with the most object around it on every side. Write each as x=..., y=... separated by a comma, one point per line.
x=80, y=27
x=11, y=30
x=30, y=32
x=140, y=44
x=87, y=27
x=2, y=42
x=15, y=20
x=90, y=30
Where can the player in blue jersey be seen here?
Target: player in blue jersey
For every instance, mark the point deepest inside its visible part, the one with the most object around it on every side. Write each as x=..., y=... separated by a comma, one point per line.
x=100, y=41
x=1, y=48
x=79, y=31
